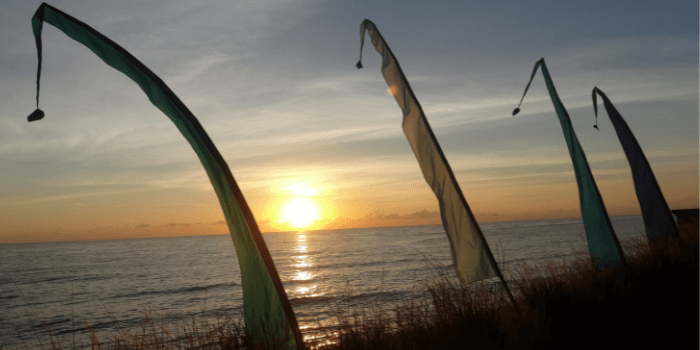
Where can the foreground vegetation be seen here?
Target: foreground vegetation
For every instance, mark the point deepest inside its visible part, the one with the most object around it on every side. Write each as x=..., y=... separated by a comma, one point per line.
x=653, y=302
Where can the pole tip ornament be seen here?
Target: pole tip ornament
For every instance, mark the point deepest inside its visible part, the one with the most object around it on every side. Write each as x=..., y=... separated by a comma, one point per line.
x=359, y=64
x=36, y=115
x=516, y=111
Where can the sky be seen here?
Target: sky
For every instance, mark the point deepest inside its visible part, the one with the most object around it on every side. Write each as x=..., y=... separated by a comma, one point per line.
x=275, y=86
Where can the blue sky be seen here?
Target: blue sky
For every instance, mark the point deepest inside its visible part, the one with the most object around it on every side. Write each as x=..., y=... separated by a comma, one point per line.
x=274, y=84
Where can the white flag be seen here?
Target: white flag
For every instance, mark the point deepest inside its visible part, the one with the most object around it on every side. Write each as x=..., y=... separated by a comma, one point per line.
x=471, y=255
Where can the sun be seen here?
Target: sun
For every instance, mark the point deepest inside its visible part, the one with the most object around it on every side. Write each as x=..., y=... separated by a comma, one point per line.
x=300, y=212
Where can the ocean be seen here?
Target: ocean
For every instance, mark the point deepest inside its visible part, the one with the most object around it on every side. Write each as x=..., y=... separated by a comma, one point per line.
x=69, y=284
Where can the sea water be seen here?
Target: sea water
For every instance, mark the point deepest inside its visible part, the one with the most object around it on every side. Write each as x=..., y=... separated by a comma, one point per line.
x=71, y=284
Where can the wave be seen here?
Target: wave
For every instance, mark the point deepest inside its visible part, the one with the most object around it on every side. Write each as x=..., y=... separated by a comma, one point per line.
x=332, y=266
x=348, y=299
x=183, y=290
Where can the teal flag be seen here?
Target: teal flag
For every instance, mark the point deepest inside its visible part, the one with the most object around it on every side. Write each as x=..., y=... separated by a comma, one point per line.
x=602, y=242
x=268, y=314
x=655, y=211
x=471, y=255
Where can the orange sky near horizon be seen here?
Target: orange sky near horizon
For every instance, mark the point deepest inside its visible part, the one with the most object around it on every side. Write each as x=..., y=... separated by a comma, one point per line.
x=197, y=212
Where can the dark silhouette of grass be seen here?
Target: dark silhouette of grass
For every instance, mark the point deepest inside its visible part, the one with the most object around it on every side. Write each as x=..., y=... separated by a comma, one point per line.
x=651, y=303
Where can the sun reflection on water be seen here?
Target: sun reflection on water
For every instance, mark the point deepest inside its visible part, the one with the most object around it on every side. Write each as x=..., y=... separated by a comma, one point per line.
x=303, y=272
x=302, y=261
x=303, y=276
x=320, y=335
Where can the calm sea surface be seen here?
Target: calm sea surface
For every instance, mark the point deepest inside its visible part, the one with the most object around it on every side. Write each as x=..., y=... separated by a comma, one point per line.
x=96, y=281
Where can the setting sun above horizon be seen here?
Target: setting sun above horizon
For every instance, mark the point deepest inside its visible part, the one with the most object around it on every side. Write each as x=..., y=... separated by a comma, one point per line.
x=313, y=143
x=300, y=212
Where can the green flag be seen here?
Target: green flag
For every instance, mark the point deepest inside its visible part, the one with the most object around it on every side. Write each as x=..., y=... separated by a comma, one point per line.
x=268, y=314
x=602, y=242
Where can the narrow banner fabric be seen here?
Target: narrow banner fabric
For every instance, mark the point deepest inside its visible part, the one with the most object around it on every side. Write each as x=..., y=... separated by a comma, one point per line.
x=268, y=314
x=471, y=255
x=603, y=245
x=655, y=211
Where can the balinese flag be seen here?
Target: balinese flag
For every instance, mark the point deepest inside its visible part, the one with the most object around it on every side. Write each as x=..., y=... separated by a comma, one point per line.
x=602, y=242
x=268, y=314
x=655, y=211
x=471, y=255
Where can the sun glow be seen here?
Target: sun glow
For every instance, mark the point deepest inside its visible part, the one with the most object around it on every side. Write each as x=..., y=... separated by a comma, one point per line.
x=300, y=212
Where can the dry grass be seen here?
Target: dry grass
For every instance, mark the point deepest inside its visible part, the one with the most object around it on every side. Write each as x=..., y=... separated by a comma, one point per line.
x=653, y=302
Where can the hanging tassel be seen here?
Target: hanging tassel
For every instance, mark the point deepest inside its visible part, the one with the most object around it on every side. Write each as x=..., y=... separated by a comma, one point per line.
x=36, y=115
